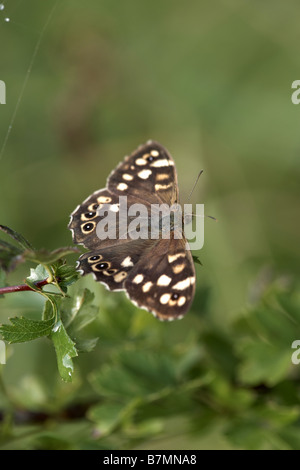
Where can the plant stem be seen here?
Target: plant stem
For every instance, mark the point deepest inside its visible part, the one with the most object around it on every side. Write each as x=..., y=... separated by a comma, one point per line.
x=21, y=287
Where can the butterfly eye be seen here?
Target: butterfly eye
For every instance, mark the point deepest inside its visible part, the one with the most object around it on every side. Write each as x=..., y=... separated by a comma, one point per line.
x=174, y=296
x=101, y=266
x=89, y=215
x=88, y=227
x=150, y=158
x=95, y=258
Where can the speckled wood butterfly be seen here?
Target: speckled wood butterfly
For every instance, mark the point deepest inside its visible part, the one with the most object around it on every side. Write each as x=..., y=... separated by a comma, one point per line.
x=157, y=274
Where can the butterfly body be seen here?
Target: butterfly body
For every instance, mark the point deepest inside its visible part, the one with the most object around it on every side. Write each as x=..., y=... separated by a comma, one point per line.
x=156, y=270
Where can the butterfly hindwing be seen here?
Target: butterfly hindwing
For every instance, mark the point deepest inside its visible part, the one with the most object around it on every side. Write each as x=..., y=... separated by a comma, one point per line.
x=112, y=265
x=163, y=283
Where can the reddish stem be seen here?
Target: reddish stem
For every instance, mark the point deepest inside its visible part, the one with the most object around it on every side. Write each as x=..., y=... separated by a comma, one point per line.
x=21, y=287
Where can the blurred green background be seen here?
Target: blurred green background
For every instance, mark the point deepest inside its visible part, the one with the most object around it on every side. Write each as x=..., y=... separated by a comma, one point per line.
x=211, y=81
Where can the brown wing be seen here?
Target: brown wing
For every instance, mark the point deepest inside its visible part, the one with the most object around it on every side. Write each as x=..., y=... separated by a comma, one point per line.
x=102, y=221
x=163, y=281
x=112, y=265
x=148, y=174
x=158, y=275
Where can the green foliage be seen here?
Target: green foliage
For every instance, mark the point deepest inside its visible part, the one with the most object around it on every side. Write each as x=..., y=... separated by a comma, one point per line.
x=65, y=350
x=11, y=255
x=240, y=383
x=24, y=329
x=236, y=392
x=52, y=271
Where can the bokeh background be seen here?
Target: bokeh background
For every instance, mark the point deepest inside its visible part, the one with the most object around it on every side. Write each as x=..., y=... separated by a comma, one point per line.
x=86, y=84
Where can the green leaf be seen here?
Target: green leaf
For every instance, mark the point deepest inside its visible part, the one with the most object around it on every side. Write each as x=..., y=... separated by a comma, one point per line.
x=23, y=329
x=86, y=345
x=197, y=260
x=78, y=312
x=49, y=257
x=10, y=256
x=65, y=351
x=107, y=415
x=220, y=351
x=135, y=375
x=261, y=427
x=37, y=274
x=263, y=363
x=266, y=334
x=17, y=236
x=50, y=308
x=155, y=371
x=65, y=275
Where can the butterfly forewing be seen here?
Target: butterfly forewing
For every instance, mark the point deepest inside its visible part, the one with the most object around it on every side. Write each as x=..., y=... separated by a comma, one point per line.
x=98, y=208
x=85, y=217
x=148, y=174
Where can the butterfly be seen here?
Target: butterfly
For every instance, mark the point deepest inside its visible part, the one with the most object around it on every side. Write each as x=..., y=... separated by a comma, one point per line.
x=156, y=274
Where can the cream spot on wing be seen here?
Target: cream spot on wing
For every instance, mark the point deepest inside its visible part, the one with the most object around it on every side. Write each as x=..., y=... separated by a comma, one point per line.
x=104, y=199
x=127, y=177
x=162, y=162
x=162, y=176
x=140, y=161
x=164, y=280
x=122, y=186
x=154, y=153
x=181, y=301
x=164, y=299
x=114, y=208
x=120, y=276
x=138, y=279
x=92, y=207
x=127, y=262
x=183, y=284
x=144, y=174
x=178, y=268
x=162, y=186
x=110, y=272
x=147, y=286
x=172, y=258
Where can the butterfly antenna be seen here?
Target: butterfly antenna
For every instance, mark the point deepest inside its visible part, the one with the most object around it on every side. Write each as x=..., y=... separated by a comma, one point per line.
x=210, y=216
x=196, y=215
x=200, y=173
